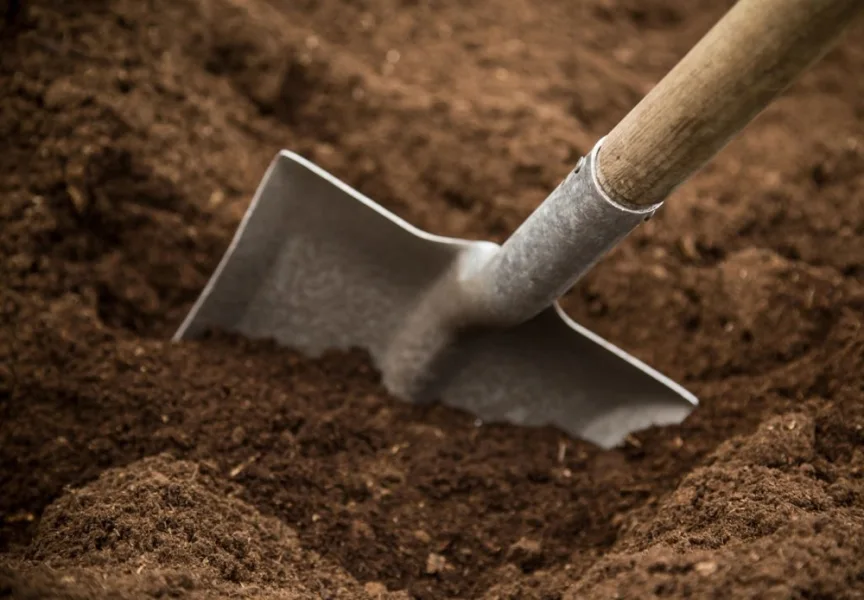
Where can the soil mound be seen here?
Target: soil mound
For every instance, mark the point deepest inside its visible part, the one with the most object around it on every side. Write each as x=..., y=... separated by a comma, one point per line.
x=767, y=515
x=165, y=527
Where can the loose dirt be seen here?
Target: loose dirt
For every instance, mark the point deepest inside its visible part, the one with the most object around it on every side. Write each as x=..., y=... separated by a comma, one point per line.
x=132, y=135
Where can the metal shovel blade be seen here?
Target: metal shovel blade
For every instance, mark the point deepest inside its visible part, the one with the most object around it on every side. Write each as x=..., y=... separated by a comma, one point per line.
x=315, y=265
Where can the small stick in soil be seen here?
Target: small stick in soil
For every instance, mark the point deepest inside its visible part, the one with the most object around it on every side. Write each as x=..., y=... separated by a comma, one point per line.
x=239, y=468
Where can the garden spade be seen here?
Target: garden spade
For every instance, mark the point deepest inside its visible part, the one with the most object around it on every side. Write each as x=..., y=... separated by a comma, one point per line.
x=316, y=265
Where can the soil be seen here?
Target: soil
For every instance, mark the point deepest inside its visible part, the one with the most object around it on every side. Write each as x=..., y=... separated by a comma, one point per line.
x=132, y=135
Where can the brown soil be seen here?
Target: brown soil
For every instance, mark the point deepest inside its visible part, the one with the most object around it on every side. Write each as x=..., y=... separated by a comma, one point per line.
x=132, y=135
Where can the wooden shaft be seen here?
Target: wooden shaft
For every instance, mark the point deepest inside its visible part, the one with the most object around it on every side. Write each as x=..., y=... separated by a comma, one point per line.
x=736, y=70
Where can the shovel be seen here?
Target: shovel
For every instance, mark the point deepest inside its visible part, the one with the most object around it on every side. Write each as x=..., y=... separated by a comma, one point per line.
x=316, y=265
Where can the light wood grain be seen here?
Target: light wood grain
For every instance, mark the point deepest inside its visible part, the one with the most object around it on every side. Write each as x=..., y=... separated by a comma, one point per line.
x=752, y=55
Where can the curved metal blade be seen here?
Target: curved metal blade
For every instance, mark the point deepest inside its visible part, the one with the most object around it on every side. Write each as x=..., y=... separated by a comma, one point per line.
x=316, y=265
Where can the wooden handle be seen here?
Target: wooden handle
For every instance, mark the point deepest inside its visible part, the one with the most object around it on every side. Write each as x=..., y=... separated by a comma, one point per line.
x=736, y=70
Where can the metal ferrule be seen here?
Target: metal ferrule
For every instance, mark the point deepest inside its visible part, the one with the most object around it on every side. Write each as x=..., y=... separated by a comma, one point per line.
x=568, y=233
